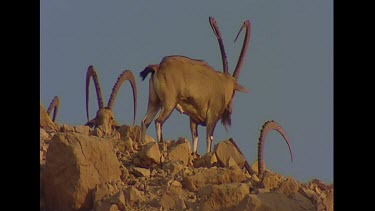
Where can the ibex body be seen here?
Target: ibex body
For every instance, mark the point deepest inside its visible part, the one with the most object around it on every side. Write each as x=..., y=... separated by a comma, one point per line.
x=195, y=89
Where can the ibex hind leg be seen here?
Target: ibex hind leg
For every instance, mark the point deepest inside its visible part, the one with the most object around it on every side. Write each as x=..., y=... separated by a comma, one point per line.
x=194, y=135
x=210, y=134
x=166, y=110
x=151, y=113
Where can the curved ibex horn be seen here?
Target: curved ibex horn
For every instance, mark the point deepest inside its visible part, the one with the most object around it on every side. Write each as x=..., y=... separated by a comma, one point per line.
x=54, y=104
x=91, y=73
x=267, y=126
x=237, y=71
x=216, y=30
x=125, y=75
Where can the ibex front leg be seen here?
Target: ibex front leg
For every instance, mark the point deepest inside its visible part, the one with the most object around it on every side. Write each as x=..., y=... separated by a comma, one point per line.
x=194, y=135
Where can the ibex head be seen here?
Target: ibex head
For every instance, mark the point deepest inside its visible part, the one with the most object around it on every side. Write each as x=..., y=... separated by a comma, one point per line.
x=104, y=116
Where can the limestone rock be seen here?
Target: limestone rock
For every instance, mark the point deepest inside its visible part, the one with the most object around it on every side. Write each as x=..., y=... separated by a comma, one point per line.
x=132, y=196
x=66, y=128
x=271, y=180
x=103, y=190
x=219, y=197
x=150, y=154
x=212, y=176
x=134, y=132
x=224, y=150
x=141, y=172
x=251, y=202
x=107, y=206
x=280, y=202
x=75, y=164
x=43, y=135
x=170, y=201
x=231, y=163
x=307, y=193
x=45, y=121
x=272, y=201
x=118, y=199
x=83, y=129
x=289, y=186
x=207, y=160
x=180, y=152
x=173, y=167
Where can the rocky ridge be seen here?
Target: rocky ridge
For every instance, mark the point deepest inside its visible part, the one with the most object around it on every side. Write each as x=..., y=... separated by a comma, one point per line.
x=82, y=169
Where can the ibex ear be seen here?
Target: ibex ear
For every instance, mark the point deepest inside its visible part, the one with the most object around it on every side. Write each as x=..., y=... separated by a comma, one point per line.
x=91, y=123
x=239, y=87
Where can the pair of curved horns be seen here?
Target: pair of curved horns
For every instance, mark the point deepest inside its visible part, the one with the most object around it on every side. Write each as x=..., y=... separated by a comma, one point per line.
x=53, y=105
x=125, y=75
x=245, y=45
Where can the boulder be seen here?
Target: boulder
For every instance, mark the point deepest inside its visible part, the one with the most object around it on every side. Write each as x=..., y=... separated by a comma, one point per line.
x=134, y=132
x=224, y=150
x=223, y=196
x=75, y=164
x=45, y=121
x=207, y=160
x=170, y=201
x=102, y=191
x=212, y=176
x=141, y=172
x=83, y=129
x=133, y=196
x=271, y=180
x=149, y=154
x=172, y=167
x=66, y=128
x=180, y=152
x=272, y=201
x=289, y=186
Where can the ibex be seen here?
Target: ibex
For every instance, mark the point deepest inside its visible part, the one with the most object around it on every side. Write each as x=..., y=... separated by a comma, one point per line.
x=195, y=89
x=53, y=105
x=104, y=116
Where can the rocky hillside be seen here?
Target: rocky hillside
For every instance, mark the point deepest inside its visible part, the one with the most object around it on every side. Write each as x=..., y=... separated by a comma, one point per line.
x=81, y=169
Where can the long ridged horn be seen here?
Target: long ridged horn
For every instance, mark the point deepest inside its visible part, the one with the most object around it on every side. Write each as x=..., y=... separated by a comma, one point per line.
x=267, y=126
x=216, y=30
x=125, y=75
x=91, y=73
x=237, y=71
x=54, y=104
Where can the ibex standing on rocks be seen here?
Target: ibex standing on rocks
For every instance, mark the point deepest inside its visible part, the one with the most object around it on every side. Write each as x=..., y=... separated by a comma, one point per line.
x=195, y=89
x=104, y=116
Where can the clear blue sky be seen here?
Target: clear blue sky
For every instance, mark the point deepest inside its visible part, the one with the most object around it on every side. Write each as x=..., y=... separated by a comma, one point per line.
x=288, y=68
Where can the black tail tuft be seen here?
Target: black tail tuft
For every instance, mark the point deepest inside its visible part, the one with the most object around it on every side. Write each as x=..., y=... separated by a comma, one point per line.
x=147, y=70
